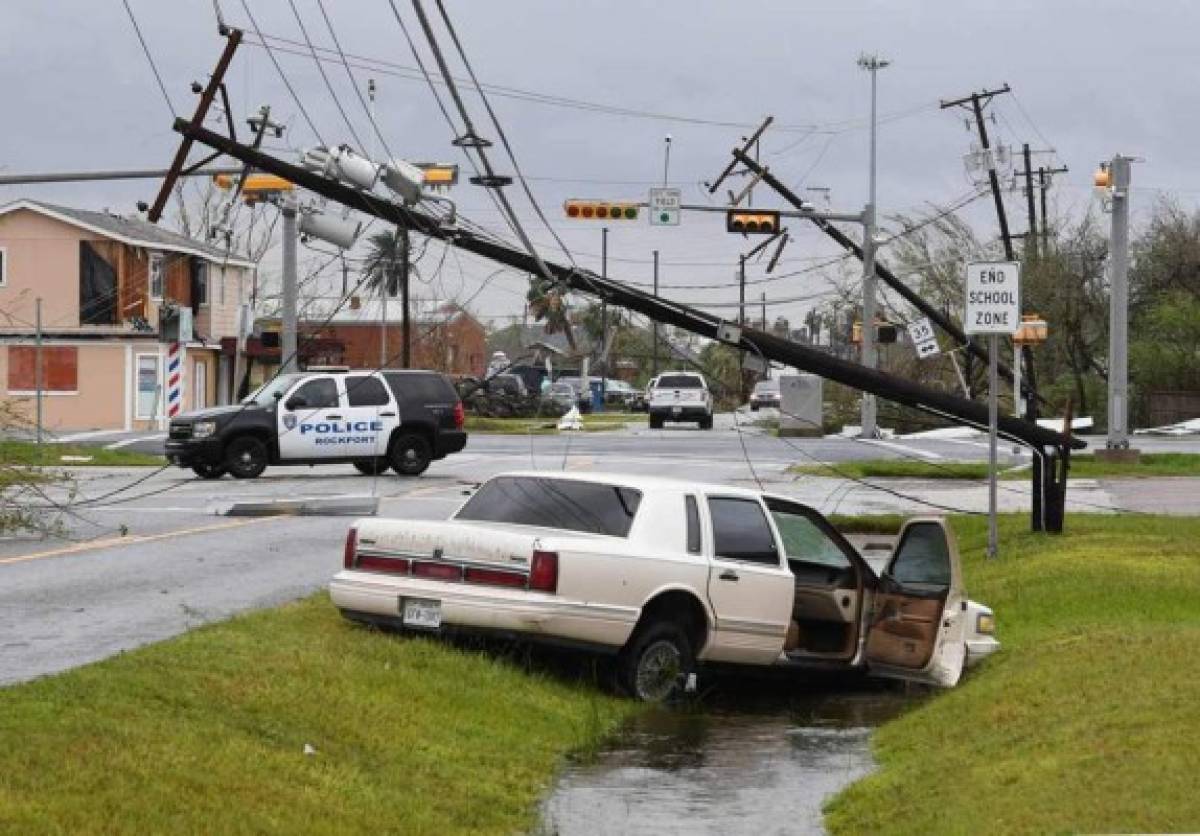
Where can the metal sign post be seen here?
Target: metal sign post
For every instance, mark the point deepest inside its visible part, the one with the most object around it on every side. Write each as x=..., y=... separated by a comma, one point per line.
x=993, y=307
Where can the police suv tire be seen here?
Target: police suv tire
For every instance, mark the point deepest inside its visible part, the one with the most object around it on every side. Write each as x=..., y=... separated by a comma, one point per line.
x=246, y=457
x=410, y=455
x=656, y=423
x=371, y=467
x=208, y=470
x=655, y=664
x=706, y=423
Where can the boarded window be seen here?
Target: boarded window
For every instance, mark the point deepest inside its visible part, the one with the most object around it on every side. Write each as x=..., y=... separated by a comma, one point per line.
x=97, y=288
x=60, y=367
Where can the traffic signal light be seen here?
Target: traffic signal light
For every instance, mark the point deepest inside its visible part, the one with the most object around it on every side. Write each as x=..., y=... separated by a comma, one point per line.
x=600, y=210
x=752, y=222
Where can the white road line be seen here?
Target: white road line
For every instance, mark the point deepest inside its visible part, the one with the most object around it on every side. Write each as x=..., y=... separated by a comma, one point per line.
x=67, y=439
x=125, y=442
x=903, y=448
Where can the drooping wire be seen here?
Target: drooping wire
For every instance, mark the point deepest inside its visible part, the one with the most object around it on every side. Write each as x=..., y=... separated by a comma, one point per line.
x=150, y=58
x=283, y=77
x=325, y=76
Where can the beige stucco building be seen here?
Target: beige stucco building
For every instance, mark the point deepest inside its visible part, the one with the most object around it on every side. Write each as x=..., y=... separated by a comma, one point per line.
x=101, y=280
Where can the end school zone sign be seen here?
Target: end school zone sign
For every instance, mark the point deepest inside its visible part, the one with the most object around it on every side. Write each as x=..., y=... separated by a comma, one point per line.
x=993, y=298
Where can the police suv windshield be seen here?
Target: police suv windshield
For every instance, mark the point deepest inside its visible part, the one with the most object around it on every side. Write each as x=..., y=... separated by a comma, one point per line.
x=272, y=390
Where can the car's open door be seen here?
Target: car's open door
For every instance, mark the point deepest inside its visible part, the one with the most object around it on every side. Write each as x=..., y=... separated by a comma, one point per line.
x=916, y=626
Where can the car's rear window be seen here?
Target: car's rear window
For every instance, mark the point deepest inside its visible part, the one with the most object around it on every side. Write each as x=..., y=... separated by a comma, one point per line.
x=429, y=388
x=555, y=503
x=679, y=381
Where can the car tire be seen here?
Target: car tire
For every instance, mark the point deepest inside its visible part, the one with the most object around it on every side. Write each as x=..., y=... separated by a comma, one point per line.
x=371, y=467
x=208, y=470
x=706, y=423
x=410, y=455
x=754, y=407
x=656, y=423
x=655, y=665
x=246, y=457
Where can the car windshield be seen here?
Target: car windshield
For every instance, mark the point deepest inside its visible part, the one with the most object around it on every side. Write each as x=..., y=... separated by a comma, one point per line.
x=272, y=390
x=766, y=386
x=679, y=381
x=568, y=504
x=561, y=389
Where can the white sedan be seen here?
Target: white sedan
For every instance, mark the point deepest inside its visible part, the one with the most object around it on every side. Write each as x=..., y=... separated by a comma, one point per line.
x=668, y=575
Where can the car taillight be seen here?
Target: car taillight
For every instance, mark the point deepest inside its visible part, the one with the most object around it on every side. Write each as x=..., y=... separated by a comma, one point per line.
x=543, y=572
x=351, y=548
x=373, y=563
x=460, y=415
x=437, y=571
x=495, y=577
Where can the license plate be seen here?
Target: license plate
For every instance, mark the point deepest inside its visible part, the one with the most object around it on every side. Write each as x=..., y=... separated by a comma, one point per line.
x=422, y=612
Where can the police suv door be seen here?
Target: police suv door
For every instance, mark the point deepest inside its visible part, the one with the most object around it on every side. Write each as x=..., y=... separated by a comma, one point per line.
x=308, y=419
x=371, y=414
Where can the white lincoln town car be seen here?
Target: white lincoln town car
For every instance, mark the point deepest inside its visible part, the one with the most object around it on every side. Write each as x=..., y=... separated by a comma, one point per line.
x=668, y=575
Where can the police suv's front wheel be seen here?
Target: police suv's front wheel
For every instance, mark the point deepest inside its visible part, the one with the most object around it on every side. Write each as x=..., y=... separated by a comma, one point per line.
x=410, y=455
x=371, y=467
x=246, y=457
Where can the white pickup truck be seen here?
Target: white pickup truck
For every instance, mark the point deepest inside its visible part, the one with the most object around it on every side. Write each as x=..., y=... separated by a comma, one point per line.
x=680, y=396
x=668, y=575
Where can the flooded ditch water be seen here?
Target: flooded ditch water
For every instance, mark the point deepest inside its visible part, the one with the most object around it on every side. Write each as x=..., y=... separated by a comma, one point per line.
x=757, y=762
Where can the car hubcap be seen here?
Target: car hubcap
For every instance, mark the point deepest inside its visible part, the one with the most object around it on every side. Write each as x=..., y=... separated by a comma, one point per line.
x=658, y=671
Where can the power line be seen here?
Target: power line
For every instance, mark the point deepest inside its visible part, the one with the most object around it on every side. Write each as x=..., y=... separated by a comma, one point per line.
x=283, y=77
x=150, y=58
x=321, y=69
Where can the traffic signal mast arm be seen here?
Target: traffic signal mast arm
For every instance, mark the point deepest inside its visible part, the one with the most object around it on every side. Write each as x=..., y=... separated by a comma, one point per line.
x=823, y=223
x=1044, y=442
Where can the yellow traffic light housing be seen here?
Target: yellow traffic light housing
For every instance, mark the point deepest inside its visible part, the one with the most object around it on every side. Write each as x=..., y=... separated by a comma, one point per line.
x=752, y=222
x=601, y=210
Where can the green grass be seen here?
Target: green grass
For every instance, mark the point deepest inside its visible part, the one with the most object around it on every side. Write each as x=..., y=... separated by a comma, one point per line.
x=50, y=455
x=205, y=734
x=1082, y=467
x=1086, y=721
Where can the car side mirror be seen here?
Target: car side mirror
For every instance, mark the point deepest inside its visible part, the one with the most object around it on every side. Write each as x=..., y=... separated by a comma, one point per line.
x=295, y=402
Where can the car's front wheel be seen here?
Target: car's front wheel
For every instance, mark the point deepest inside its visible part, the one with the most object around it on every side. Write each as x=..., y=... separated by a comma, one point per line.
x=656, y=422
x=246, y=457
x=208, y=470
x=410, y=455
x=655, y=665
x=706, y=423
x=371, y=467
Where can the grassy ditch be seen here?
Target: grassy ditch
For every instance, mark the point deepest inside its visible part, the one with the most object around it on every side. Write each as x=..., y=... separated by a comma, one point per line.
x=206, y=733
x=51, y=455
x=1082, y=467
x=600, y=422
x=1086, y=721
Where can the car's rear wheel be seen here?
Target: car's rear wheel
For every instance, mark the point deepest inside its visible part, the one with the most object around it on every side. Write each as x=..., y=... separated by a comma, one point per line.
x=208, y=470
x=246, y=457
x=656, y=423
x=410, y=455
x=371, y=467
x=706, y=423
x=655, y=665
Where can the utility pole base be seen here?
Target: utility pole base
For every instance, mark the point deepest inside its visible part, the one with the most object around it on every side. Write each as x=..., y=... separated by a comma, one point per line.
x=1118, y=455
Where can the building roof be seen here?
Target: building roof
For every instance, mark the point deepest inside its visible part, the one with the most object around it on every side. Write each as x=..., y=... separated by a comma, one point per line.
x=132, y=231
x=371, y=312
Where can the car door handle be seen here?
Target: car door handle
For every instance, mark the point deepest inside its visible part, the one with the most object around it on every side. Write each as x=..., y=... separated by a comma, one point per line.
x=387, y=415
x=728, y=575
x=333, y=417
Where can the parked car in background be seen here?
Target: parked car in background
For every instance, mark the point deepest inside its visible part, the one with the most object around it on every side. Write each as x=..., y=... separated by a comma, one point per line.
x=618, y=394
x=641, y=399
x=583, y=398
x=668, y=575
x=562, y=395
x=765, y=394
x=680, y=396
x=508, y=384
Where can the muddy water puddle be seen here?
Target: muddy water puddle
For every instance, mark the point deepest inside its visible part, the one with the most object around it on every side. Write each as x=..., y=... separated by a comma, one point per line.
x=756, y=764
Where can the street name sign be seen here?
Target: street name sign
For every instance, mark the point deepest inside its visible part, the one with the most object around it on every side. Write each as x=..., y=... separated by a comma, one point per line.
x=924, y=339
x=993, y=298
x=664, y=206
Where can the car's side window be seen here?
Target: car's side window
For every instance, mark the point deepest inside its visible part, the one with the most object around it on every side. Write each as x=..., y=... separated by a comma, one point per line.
x=693, y=525
x=922, y=559
x=803, y=540
x=320, y=393
x=362, y=390
x=741, y=531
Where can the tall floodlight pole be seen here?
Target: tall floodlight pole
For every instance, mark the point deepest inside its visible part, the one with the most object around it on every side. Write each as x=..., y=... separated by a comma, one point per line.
x=288, y=341
x=1118, y=312
x=654, y=367
x=873, y=64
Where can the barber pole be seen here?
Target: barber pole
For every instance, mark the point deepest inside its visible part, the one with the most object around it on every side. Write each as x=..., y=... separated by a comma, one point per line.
x=174, y=379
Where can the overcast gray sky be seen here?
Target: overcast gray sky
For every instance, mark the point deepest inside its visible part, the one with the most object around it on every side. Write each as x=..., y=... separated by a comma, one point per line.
x=1090, y=79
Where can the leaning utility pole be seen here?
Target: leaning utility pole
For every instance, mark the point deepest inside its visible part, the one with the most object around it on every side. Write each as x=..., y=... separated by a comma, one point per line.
x=978, y=102
x=872, y=64
x=1044, y=180
x=1031, y=237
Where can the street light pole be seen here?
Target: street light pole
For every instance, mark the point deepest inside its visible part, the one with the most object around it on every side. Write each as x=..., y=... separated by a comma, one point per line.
x=1118, y=316
x=871, y=63
x=290, y=361
x=654, y=367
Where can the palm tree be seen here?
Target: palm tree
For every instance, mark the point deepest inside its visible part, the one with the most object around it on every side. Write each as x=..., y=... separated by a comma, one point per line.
x=386, y=270
x=547, y=304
